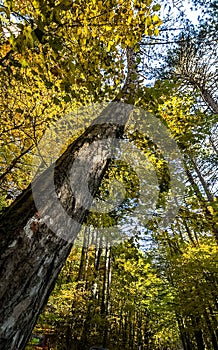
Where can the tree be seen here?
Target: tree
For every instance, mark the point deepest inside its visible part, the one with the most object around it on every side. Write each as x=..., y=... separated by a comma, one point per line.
x=30, y=236
x=30, y=262
x=193, y=64
x=176, y=104
x=58, y=53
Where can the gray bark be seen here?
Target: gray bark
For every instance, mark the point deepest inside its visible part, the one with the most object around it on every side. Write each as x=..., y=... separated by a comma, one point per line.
x=202, y=202
x=201, y=178
x=210, y=101
x=213, y=145
x=32, y=255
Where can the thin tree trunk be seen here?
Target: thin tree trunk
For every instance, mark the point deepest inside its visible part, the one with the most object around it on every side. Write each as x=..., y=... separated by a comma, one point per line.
x=182, y=332
x=82, y=258
x=199, y=340
x=211, y=331
x=68, y=337
x=213, y=145
x=105, y=283
x=107, y=294
x=198, y=333
x=208, y=98
x=203, y=182
x=214, y=226
x=98, y=253
x=188, y=232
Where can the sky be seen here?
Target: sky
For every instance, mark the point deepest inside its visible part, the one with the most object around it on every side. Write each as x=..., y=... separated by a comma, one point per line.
x=192, y=15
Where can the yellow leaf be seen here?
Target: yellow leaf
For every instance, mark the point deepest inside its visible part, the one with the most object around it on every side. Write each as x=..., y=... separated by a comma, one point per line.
x=156, y=32
x=129, y=19
x=79, y=30
x=107, y=28
x=85, y=30
x=109, y=45
x=155, y=18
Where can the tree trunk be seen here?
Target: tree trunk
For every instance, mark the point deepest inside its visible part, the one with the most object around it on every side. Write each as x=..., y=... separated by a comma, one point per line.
x=208, y=98
x=213, y=145
x=82, y=259
x=198, y=333
x=32, y=255
x=202, y=202
x=199, y=340
x=211, y=330
x=202, y=180
x=107, y=284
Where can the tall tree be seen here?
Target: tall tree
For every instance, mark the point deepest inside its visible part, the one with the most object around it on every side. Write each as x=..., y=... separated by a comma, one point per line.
x=32, y=255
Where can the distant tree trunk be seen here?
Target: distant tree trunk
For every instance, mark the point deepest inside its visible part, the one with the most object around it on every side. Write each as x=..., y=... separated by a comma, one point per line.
x=82, y=258
x=189, y=232
x=32, y=255
x=208, y=98
x=68, y=337
x=202, y=202
x=211, y=331
x=198, y=333
x=182, y=332
x=201, y=178
x=107, y=286
x=98, y=253
x=213, y=145
x=199, y=340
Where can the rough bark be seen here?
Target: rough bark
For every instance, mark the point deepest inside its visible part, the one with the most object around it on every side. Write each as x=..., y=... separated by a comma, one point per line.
x=32, y=255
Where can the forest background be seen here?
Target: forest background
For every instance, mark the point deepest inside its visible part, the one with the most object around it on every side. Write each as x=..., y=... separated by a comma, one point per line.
x=157, y=289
